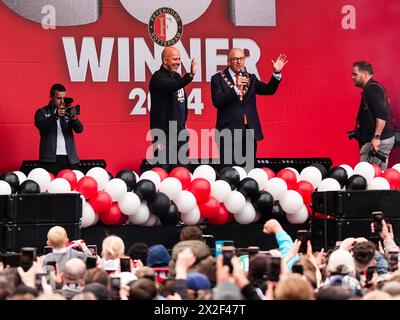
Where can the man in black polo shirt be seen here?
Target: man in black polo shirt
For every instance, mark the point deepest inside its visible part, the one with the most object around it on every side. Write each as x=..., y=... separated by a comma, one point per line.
x=374, y=133
x=169, y=108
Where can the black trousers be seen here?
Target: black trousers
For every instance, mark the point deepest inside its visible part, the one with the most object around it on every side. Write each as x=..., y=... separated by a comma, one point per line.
x=61, y=163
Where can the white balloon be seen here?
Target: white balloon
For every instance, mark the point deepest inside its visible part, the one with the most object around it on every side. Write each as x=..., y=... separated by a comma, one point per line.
x=129, y=204
x=220, y=190
x=152, y=176
x=171, y=187
x=59, y=185
x=116, y=188
x=191, y=218
x=260, y=176
x=378, y=183
x=247, y=215
x=100, y=175
x=296, y=172
x=366, y=170
x=151, y=221
x=5, y=188
x=312, y=175
x=291, y=202
x=41, y=177
x=88, y=216
x=21, y=176
x=329, y=184
x=276, y=187
x=235, y=202
x=241, y=171
x=185, y=201
x=298, y=217
x=396, y=167
x=141, y=215
x=206, y=172
x=348, y=169
x=79, y=174
x=258, y=217
x=96, y=218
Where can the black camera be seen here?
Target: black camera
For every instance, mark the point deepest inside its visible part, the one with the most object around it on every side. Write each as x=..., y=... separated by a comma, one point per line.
x=378, y=154
x=70, y=110
x=352, y=134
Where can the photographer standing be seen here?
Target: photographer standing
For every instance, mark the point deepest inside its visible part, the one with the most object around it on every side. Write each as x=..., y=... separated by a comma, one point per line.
x=56, y=123
x=373, y=131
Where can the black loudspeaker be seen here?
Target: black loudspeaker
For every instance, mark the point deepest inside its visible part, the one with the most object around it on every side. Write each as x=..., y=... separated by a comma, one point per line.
x=17, y=236
x=83, y=165
x=275, y=164
x=357, y=204
x=41, y=208
x=326, y=232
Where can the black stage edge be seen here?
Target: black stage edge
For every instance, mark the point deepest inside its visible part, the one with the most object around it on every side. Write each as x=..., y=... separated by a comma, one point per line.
x=242, y=235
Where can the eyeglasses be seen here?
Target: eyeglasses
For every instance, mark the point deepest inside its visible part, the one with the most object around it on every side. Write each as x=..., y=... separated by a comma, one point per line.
x=237, y=59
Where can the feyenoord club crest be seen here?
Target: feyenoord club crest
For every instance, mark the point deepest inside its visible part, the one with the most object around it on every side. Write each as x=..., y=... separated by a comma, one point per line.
x=165, y=27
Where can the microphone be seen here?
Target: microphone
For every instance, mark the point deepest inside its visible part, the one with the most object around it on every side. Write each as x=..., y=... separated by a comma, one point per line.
x=243, y=73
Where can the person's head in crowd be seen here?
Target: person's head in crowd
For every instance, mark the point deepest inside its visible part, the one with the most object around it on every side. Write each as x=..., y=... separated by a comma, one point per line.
x=96, y=275
x=364, y=254
x=57, y=94
x=99, y=290
x=309, y=271
x=258, y=271
x=392, y=288
x=73, y=277
x=51, y=296
x=84, y=296
x=199, y=287
x=341, y=262
x=142, y=289
x=146, y=273
x=57, y=237
x=227, y=291
x=113, y=247
x=139, y=251
x=191, y=233
x=377, y=295
x=294, y=287
x=6, y=287
x=23, y=292
x=333, y=293
x=158, y=256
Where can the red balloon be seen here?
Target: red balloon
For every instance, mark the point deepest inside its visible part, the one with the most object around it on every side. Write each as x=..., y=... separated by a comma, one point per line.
x=289, y=177
x=393, y=177
x=309, y=209
x=378, y=170
x=201, y=189
x=52, y=177
x=123, y=220
x=183, y=175
x=305, y=189
x=113, y=216
x=209, y=209
x=88, y=187
x=222, y=217
x=101, y=203
x=70, y=176
x=161, y=172
x=269, y=172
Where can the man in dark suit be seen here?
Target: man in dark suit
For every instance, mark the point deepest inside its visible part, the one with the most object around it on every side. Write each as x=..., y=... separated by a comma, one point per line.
x=56, y=124
x=169, y=111
x=234, y=95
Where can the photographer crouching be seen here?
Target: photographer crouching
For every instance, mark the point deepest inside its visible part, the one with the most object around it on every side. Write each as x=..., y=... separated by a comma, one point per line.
x=373, y=130
x=57, y=123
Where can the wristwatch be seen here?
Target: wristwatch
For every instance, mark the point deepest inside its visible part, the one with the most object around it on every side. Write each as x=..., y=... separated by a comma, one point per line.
x=377, y=136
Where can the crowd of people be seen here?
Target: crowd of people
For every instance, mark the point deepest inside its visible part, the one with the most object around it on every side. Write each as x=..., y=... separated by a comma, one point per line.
x=355, y=269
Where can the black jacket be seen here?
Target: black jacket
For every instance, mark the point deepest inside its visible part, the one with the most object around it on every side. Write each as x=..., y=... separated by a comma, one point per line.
x=46, y=122
x=374, y=98
x=164, y=86
x=231, y=111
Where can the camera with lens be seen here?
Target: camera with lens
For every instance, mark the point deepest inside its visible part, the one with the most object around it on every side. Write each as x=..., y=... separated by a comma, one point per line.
x=378, y=154
x=353, y=134
x=70, y=110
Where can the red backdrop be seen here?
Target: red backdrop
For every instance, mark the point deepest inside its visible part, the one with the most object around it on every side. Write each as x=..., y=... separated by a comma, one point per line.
x=308, y=117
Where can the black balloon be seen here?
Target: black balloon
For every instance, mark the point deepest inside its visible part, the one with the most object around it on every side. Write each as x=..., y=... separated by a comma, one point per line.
x=230, y=175
x=339, y=174
x=160, y=204
x=321, y=168
x=356, y=182
x=172, y=217
x=29, y=186
x=129, y=178
x=12, y=179
x=146, y=190
x=264, y=204
x=249, y=188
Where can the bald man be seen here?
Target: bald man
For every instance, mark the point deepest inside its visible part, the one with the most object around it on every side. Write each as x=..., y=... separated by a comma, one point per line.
x=169, y=107
x=234, y=93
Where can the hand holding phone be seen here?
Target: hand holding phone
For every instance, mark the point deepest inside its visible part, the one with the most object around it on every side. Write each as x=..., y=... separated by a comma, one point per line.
x=273, y=268
x=228, y=252
x=91, y=262
x=303, y=236
x=393, y=261
x=377, y=217
x=115, y=287
x=28, y=255
x=125, y=264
